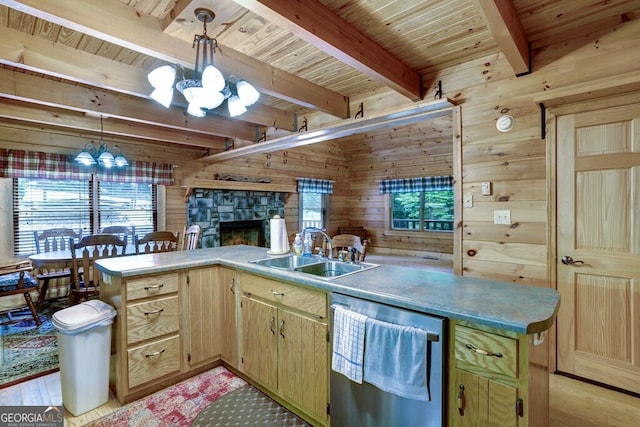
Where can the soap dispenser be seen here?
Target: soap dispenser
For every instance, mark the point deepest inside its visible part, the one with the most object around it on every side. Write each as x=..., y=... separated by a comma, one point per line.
x=306, y=245
x=297, y=245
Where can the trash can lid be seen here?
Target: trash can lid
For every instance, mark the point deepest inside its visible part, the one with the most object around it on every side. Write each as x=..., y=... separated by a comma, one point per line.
x=82, y=316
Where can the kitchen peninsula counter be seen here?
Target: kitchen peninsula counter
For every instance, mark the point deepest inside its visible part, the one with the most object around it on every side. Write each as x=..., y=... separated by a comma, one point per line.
x=518, y=308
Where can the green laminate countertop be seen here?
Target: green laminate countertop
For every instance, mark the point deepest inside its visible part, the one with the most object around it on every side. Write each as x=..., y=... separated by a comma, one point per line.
x=518, y=308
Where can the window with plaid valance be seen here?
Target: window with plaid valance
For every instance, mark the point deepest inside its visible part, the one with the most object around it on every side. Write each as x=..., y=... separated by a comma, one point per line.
x=313, y=185
x=410, y=185
x=38, y=165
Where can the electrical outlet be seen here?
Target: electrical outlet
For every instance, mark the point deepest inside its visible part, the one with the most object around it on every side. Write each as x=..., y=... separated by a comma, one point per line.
x=468, y=200
x=486, y=188
x=502, y=217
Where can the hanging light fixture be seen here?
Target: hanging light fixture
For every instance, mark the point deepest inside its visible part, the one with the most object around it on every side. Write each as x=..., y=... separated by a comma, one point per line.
x=90, y=155
x=208, y=88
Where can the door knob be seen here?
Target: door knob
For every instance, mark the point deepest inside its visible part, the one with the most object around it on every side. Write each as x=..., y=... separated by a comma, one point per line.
x=567, y=260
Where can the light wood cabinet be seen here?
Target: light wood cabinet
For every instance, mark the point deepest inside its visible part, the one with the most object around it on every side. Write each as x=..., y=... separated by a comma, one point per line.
x=229, y=326
x=147, y=331
x=494, y=378
x=285, y=342
x=203, y=312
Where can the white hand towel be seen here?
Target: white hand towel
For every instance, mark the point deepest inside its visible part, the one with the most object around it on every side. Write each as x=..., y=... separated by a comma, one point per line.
x=395, y=359
x=348, y=343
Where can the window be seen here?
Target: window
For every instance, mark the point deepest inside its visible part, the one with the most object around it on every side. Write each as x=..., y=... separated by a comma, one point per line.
x=419, y=204
x=313, y=208
x=85, y=206
x=422, y=211
x=314, y=202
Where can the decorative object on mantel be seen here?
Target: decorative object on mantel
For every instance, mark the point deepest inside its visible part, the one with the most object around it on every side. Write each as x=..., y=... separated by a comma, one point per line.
x=207, y=89
x=90, y=155
x=216, y=184
x=227, y=177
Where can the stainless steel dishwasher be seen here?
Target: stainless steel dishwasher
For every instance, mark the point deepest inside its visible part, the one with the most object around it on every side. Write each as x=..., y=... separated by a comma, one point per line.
x=364, y=405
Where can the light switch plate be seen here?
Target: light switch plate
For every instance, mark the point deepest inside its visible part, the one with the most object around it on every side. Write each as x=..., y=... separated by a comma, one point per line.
x=468, y=200
x=502, y=217
x=486, y=188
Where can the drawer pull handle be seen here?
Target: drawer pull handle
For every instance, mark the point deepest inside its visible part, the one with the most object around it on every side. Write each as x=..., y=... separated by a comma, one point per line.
x=146, y=313
x=157, y=353
x=461, y=400
x=483, y=352
x=277, y=293
x=148, y=288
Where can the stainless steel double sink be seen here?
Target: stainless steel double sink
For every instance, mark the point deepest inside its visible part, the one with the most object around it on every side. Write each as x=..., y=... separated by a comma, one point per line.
x=315, y=265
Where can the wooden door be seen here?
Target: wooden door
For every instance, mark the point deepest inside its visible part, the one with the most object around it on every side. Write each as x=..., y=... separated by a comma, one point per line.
x=259, y=343
x=598, y=220
x=303, y=362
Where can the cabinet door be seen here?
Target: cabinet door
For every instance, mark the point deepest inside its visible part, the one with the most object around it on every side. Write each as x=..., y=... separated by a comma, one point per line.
x=303, y=366
x=259, y=358
x=483, y=402
x=204, y=315
x=229, y=326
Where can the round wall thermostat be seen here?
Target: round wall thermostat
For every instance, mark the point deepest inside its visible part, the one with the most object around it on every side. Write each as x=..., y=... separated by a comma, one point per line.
x=505, y=123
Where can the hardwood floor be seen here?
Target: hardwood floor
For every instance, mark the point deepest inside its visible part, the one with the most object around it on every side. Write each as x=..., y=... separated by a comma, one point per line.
x=573, y=403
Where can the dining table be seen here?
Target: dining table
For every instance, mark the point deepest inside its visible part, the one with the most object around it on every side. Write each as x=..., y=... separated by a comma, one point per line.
x=55, y=265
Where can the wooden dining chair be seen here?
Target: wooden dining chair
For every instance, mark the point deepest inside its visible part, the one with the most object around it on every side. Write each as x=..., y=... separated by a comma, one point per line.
x=344, y=242
x=15, y=279
x=86, y=285
x=157, y=241
x=122, y=231
x=190, y=238
x=54, y=239
x=51, y=240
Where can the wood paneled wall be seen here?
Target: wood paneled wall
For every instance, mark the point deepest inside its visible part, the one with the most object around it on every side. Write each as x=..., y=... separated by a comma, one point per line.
x=515, y=162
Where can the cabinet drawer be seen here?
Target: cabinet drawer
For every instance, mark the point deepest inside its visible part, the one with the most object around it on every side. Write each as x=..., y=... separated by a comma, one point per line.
x=150, y=286
x=152, y=319
x=304, y=299
x=153, y=360
x=475, y=347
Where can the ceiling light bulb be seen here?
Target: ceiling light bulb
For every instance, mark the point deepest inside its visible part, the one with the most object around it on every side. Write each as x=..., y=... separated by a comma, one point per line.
x=85, y=158
x=236, y=106
x=163, y=96
x=247, y=93
x=162, y=77
x=195, y=110
x=212, y=79
x=121, y=161
x=106, y=159
x=211, y=99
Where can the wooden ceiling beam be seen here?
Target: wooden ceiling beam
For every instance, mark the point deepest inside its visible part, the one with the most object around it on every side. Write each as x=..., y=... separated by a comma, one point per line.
x=70, y=120
x=319, y=26
x=37, y=90
x=34, y=53
x=120, y=24
x=501, y=19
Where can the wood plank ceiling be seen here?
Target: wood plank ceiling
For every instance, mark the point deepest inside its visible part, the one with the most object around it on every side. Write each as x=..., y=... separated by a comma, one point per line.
x=65, y=63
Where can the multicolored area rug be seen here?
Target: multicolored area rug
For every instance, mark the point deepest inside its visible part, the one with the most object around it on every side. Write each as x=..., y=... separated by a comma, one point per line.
x=27, y=351
x=175, y=406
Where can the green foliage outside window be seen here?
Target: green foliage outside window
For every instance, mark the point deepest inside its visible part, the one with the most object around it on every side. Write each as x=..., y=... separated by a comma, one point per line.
x=423, y=211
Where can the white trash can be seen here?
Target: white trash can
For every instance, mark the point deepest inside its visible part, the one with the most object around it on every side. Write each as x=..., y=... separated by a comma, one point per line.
x=84, y=349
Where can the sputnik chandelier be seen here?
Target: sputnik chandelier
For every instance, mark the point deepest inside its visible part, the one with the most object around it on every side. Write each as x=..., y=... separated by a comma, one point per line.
x=207, y=89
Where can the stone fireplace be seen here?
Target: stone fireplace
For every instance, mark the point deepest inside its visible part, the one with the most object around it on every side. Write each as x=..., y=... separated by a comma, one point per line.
x=234, y=216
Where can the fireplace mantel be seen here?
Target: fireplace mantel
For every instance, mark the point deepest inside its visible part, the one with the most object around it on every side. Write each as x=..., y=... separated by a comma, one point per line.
x=217, y=184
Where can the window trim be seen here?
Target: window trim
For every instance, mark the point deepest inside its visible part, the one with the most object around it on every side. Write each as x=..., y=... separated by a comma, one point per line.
x=389, y=231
